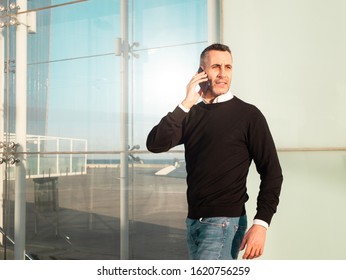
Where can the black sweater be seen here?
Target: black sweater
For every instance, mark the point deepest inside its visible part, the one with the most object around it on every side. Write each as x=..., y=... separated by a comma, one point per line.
x=220, y=142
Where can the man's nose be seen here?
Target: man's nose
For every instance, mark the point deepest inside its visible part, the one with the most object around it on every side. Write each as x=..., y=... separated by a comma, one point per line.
x=222, y=72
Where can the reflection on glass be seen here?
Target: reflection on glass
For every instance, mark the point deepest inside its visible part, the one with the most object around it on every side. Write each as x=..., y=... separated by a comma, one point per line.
x=72, y=162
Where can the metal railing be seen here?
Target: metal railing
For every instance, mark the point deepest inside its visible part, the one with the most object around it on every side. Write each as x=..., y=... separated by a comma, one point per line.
x=48, y=156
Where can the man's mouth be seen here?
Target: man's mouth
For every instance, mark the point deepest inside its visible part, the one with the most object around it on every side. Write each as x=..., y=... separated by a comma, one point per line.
x=221, y=83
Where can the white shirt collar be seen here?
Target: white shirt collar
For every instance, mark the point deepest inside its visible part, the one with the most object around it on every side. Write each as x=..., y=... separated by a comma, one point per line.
x=221, y=98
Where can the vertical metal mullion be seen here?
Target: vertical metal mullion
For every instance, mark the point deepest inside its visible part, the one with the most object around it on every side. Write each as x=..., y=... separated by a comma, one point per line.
x=21, y=104
x=124, y=204
x=2, y=131
x=214, y=21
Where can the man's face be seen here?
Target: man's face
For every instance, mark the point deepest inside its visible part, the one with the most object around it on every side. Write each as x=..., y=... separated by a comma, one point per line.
x=218, y=66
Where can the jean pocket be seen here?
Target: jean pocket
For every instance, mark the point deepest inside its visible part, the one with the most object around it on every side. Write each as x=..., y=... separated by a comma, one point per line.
x=217, y=222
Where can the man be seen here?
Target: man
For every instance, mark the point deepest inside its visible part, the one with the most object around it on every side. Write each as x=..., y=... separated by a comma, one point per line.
x=222, y=135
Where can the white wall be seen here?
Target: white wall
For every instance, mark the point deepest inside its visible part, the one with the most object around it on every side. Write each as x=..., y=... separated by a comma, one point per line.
x=290, y=61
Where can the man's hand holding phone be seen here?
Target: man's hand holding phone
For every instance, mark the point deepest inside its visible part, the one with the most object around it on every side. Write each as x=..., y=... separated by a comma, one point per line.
x=192, y=96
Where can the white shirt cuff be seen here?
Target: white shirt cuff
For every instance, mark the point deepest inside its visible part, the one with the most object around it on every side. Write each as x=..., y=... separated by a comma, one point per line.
x=261, y=223
x=181, y=106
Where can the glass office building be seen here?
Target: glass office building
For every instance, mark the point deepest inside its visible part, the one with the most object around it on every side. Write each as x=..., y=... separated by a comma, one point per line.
x=72, y=163
x=84, y=81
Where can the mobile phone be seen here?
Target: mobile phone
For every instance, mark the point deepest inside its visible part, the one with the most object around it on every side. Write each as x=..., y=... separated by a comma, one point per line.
x=204, y=85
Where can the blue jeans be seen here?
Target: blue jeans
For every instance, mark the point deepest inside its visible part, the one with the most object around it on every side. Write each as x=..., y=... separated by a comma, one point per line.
x=216, y=238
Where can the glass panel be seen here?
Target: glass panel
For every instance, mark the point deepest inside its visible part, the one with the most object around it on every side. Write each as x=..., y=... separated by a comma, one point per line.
x=159, y=202
x=155, y=94
x=47, y=4
x=73, y=208
x=92, y=28
x=159, y=210
x=166, y=58
x=171, y=26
